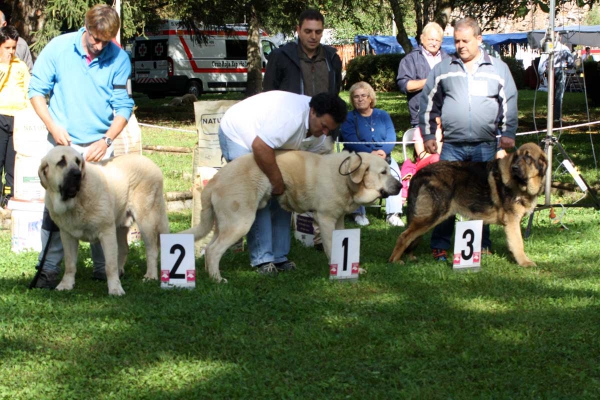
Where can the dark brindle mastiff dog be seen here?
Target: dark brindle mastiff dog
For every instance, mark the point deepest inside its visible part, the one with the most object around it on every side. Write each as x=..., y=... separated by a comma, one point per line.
x=498, y=192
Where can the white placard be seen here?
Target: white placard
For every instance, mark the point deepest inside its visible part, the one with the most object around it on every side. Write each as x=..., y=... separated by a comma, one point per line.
x=467, y=244
x=177, y=261
x=345, y=254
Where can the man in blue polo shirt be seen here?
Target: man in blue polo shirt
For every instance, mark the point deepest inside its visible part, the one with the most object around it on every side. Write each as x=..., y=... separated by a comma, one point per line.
x=86, y=75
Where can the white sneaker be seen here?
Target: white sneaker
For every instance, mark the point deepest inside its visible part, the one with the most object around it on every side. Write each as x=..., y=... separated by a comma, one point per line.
x=394, y=220
x=361, y=220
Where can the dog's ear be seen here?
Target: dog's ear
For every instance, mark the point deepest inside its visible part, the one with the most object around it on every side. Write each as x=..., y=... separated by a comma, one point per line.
x=358, y=168
x=42, y=173
x=542, y=164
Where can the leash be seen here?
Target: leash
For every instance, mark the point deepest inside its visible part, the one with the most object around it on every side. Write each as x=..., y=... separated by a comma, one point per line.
x=353, y=171
x=42, y=261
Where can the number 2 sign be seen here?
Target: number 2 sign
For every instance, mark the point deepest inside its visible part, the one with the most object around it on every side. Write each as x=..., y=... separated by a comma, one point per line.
x=177, y=262
x=345, y=254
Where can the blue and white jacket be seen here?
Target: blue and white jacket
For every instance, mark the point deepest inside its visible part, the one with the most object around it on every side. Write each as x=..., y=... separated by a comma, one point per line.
x=473, y=107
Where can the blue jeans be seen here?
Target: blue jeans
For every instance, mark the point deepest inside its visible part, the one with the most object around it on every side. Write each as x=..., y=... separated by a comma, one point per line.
x=269, y=237
x=441, y=238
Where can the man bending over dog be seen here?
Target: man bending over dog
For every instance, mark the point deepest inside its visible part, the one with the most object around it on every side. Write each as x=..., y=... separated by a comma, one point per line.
x=260, y=125
x=86, y=75
x=475, y=96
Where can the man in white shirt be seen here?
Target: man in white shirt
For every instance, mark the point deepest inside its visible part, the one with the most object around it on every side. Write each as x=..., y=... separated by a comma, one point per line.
x=261, y=124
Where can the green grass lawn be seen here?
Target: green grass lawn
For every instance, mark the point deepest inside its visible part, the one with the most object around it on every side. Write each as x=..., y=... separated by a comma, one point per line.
x=417, y=330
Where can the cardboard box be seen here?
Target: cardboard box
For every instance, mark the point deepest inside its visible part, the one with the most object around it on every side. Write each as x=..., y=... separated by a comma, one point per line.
x=26, y=225
x=30, y=135
x=27, y=182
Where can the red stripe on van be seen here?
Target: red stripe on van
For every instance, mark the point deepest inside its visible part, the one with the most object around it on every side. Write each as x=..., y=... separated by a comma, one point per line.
x=197, y=69
x=180, y=32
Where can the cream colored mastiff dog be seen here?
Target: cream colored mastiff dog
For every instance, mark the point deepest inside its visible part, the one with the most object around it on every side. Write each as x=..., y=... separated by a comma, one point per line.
x=331, y=186
x=100, y=201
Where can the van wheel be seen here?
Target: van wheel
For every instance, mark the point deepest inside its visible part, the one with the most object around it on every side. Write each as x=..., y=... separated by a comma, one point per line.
x=195, y=88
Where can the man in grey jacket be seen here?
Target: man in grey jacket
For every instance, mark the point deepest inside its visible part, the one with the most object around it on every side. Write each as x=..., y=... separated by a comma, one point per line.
x=475, y=96
x=305, y=67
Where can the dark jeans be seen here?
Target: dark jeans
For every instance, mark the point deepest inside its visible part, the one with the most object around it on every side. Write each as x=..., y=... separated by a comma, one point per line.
x=560, y=79
x=441, y=238
x=7, y=151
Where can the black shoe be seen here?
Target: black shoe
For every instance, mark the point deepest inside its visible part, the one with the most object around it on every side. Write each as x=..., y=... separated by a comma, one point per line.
x=48, y=279
x=319, y=247
x=285, y=266
x=268, y=269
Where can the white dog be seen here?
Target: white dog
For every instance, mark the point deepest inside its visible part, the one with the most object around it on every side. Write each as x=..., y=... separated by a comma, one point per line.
x=99, y=202
x=329, y=185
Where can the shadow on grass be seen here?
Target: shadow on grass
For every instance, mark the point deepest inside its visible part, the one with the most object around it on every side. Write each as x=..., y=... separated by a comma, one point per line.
x=418, y=330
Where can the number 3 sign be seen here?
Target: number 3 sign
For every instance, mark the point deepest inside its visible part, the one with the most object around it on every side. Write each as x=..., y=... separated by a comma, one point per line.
x=467, y=245
x=177, y=262
x=345, y=254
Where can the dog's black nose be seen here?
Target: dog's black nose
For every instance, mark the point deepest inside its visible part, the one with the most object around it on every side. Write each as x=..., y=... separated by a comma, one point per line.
x=71, y=184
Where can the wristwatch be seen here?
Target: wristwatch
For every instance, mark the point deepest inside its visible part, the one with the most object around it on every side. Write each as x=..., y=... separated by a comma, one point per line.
x=108, y=141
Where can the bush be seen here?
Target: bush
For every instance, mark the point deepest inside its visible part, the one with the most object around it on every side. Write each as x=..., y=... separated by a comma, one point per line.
x=379, y=71
x=517, y=71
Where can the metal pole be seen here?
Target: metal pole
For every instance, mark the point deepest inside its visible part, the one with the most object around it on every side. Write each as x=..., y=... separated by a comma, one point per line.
x=118, y=8
x=550, y=118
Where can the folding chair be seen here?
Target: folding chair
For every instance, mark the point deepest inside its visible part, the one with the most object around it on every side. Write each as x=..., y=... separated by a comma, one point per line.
x=408, y=139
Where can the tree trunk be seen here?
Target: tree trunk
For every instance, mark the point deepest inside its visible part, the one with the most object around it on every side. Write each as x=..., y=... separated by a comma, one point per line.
x=254, y=85
x=443, y=12
x=402, y=36
x=27, y=17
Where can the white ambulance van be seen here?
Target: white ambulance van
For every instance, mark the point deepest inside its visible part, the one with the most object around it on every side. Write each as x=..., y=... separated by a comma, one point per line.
x=172, y=62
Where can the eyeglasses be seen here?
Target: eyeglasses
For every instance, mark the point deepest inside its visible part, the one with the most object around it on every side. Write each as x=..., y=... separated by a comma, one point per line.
x=360, y=96
x=434, y=40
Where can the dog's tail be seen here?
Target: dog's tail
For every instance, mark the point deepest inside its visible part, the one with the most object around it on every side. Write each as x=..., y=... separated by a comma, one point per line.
x=207, y=216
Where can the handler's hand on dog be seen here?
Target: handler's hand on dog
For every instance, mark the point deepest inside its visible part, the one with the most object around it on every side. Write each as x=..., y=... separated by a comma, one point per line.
x=379, y=153
x=431, y=146
x=96, y=151
x=507, y=143
x=278, y=189
x=60, y=135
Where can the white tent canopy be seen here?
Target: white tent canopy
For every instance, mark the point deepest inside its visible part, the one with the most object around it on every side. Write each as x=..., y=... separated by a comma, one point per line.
x=573, y=35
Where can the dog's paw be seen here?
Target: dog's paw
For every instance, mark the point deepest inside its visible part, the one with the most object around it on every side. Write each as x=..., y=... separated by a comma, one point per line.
x=362, y=271
x=222, y=280
x=116, y=291
x=65, y=285
x=528, y=263
x=392, y=261
x=150, y=277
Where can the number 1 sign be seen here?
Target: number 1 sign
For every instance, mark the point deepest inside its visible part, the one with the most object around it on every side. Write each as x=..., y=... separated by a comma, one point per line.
x=345, y=254
x=177, y=262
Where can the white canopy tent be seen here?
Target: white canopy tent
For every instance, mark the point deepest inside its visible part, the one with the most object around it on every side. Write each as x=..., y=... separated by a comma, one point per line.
x=573, y=35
